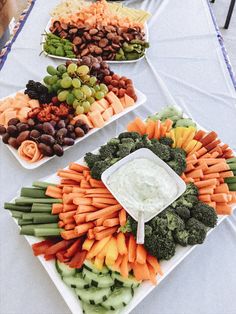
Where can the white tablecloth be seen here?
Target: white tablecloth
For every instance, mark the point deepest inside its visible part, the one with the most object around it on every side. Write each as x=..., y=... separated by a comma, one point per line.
x=186, y=55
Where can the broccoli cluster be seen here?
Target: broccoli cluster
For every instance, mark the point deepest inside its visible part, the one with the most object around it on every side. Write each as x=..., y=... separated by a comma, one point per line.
x=128, y=142
x=184, y=222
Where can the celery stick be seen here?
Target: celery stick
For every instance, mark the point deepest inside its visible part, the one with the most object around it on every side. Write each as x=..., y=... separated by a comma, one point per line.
x=29, y=229
x=45, y=219
x=24, y=221
x=29, y=200
x=16, y=214
x=231, y=160
x=21, y=208
x=41, y=208
x=232, y=166
x=230, y=180
x=32, y=192
x=38, y=232
x=232, y=186
x=42, y=185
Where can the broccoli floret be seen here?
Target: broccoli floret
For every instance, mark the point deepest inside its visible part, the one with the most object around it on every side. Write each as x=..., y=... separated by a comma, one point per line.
x=161, y=150
x=185, y=122
x=159, y=225
x=126, y=228
x=191, y=189
x=128, y=140
x=183, y=212
x=144, y=142
x=107, y=151
x=113, y=141
x=99, y=167
x=91, y=159
x=154, y=141
x=166, y=141
x=197, y=231
x=205, y=214
x=188, y=201
x=124, y=149
x=174, y=221
x=181, y=237
x=133, y=135
x=178, y=165
x=175, y=152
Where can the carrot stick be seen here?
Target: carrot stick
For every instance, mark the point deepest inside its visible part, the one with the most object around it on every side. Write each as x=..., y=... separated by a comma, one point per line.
x=77, y=167
x=195, y=174
x=205, y=183
x=152, y=274
x=168, y=123
x=141, y=254
x=67, y=189
x=105, y=200
x=219, y=198
x=98, y=229
x=84, y=227
x=124, y=270
x=191, y=158
x=222, y=188
x=223, y=209
x=157, y=133
x=102, y=212
x=141, y=271
x=84, y=184
x=58, y=247
x=99, y=205
x=87, y=244
x=82, y=201
x=206, y=190
x=96, y=183
x=222, y=166
x=53, y=194
x=188, y=180
x=97, y=191
x=85, y=209
x=122, y=217
x=210, y=137
x=78, y=259
x=201, y=152
x=80, y=218
x=140, y=125
x=77, y=189
x=204, y=198
x=189, y=167
x=61, y=224
x=226, y=174
x=99, y=221
x=57, y=208
x=199, y=135
x=211, y=176
x=99, y=195
x=111, y=222
x=131, y=249
x=212, y=145
x=69, y=207
x=68, y=175
x=105, y=233
x=69, y=226
x=122, y=248
x=69, y=220
x=90, y=234
x=154, y=263
x=69, y=214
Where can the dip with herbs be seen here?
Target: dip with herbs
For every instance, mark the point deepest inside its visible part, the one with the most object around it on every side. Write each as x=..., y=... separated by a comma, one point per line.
x=143, y=185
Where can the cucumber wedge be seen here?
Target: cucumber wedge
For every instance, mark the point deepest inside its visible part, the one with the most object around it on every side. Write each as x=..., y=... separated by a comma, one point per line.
x=93, y=295
x=97, y=280
x=64, y=270
x=119, y=298
x=76, y=281
x=90, y=266
x=96, y=309
x=129, y=282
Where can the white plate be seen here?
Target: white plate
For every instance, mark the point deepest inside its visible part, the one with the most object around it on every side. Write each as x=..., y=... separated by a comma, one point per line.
x=141, y=99
x=141, y=292
x=148, y=154
x=47, y=30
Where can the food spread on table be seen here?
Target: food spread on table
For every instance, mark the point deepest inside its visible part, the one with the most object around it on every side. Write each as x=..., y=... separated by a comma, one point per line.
x=73, y=99
x=109, y=30
x=92, y=238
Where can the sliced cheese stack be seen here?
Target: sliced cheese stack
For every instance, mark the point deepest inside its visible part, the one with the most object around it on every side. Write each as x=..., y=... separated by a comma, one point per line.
x=102, y=110
x=16, y=107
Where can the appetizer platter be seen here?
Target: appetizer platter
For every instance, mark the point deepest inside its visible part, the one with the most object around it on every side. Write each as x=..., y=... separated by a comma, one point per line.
x=74, y=101
x=89, y=247
x=115, y=33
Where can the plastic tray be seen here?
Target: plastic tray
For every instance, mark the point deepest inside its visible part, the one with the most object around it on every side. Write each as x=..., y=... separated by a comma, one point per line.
x=143, y=153
x=141, y=99
x=76, y=59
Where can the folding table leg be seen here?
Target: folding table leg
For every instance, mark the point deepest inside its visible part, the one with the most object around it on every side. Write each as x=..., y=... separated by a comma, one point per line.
x=229, y=15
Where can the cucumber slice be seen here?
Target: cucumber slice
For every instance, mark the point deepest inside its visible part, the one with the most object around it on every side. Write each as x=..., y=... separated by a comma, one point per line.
x=64, y=270
x=93, y=295
x=129, y=282
x=76, y=281
x=119, y=298
x=90, y=266
x=97, y=280
x=93, y=309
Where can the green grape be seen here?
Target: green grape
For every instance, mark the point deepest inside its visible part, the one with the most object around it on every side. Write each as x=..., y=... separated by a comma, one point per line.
x=50, y=90
x=82, y=70
x=54, y=87
x=66, y=82
x=70, y=99
x=91, y=100
x=85, y=78
x=59, y=90
x=76, y=82
x=76, y=103
x=62, y=95
x=65, y=75
x=86, y=90
x=55, y=78
x=96, y=88
x=93, y=91
x=61, y=68
x=78, y=94
x=51, y=80
x=51, y=70
x=86, y=105
x=47, y=79
x=79, y=109
x=92, y=80
x=99, y=95
x=72, y=68
x=103, y=88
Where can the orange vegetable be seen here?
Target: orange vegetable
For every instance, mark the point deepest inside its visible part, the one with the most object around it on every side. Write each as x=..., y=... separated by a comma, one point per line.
x=105, y=233
x=210, y=182
x=152, y=274
x=97, y=247
x=154, y=263
x=131, y=249
x=141, y=254
x=88, y=243
x=105, y=200
x=122, y=217
x=222, y=188
x=195, y=174
x=122, y=249
x=57, y=208
x=223, y=209
x=106, y=211
x=83, y=228
x=141, y=126
x=141, y=271
x=219, y=198
x=206, y=190
x=85, y=209
x=77, y=167
x=199, y=135
x=124, y=269
x=210, y=137
x=82, y=201
x=222, y=166
x=111, y=222
x=150, y=130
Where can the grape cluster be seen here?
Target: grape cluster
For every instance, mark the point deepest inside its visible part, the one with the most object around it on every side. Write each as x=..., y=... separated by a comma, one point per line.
x=36, y=90
x=74, y=84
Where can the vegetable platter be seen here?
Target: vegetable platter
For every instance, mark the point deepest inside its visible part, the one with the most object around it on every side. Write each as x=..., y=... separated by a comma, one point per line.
x=90, y=251
x=116, y=33
x=74, y=101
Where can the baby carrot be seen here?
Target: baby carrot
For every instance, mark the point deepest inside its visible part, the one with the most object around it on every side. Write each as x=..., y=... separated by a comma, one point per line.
x=111, y=222
x=206, y=190
x=122, y=217
x=205, y=183
x=219, y=198
x=102, y=212
x=77, y=167
x=83, y=228
x=105, y=233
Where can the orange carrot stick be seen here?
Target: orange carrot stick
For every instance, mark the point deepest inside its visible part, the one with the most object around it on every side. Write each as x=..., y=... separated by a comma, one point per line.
x=105, y=200
x=97, y=191
x=219, y=198
x=124, y=269
x=84, y=184
x=201, y=152
x=69, y=207
x=204, y=198
x=210, y=137
x=57, y=208
x=106, y=211
x=226, y=174
x=131, y=249
x=80, y=218
x=223, y=209
x=77, y=167
x=105, y=233
x=83, y=228
x=211, y=176
x=96, y=183
x=85, y=209
x=222, y=166
x=122, y=217
x=90, y=234
x=111, y=222
x=206, y=190
x=210, y=182
x=66, y=215
x=199, y=135
x=141, y=254
x=82, y=201
x=222, y=188
x=69, y=226
x=195, y=174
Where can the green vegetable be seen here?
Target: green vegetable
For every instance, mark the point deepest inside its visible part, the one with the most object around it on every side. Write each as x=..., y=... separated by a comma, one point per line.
x=231, y=160
x=185, y=122
x=29, y=200
x=42, y=184
x=50, y=232
x=232, y=166
x=205, y=214
x=230, y=180
x=197, y=231
x=30, y=229
x=32, y=192
x=41, y=208
x=21, y=208
x=183, y=212
x=232, y=186
x=166, y=141
x=174, y=221
x=181, y=237
x=16, y=214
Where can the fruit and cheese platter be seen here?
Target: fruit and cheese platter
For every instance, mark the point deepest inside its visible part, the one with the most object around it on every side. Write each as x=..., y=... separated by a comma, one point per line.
x=89, y=246
x=111, y=31
x=74, y=101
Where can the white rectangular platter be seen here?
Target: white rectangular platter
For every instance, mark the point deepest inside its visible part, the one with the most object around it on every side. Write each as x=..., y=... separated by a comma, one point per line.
x=47, y=30
x=141, y=99
x=145, y=288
